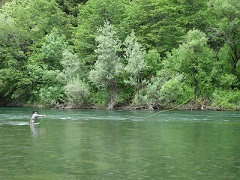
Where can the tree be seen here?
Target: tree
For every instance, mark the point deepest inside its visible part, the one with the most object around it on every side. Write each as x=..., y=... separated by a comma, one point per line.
x=134, y=55
x=23, y=26
x=71, y=8
x=196, y=61
x=45, y=89
x=153, y=63
x=44, y=66
x=12, y=60
x=92, y=15
x=225, y=29
x=175, y=91
x=71, y=66
x=75, y=88
x=193, y=14
x=108, y=66
x=157, y=24
x=53, y=49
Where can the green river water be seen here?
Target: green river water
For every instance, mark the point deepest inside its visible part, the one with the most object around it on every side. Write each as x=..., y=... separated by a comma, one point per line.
x=102, y=145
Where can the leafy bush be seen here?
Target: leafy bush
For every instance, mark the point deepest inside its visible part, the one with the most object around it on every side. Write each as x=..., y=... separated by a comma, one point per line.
x=176, y=91
x=100, y=98
x=77, y=91
x=225, y=99
x=50, y=95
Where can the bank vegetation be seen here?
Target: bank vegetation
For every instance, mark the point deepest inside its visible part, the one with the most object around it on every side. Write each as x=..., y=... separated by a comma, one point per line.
x=151, y=54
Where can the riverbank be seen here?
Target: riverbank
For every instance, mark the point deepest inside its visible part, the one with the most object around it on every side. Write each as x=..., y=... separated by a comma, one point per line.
x=188, y=106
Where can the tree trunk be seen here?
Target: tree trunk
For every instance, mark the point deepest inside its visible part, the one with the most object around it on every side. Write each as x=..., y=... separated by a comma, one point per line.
x=112, y=102
x=113, y=93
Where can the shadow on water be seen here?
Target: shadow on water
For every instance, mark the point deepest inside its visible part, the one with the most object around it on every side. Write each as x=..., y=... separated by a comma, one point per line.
x=98, y=144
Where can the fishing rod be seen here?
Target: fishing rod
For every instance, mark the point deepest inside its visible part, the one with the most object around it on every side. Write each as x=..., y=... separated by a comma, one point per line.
x=170, y=108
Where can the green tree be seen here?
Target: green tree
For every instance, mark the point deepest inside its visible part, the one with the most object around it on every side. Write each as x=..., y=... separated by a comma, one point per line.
x=53, y=49
x=44, y=66
x=108, y=66
x=175, y=91
x=71, y=65
x=153, y=63
x=50, y=95
x=75, y=88
x=197, y=62
x=24, y=25
x=45, y=89
x=225, y=29
x=12, y=60
x=157, y=24
x=71, y=8
x=193, y=14
x=92, y=15
x=134, y=55
x=165, y=90
x=226, y=78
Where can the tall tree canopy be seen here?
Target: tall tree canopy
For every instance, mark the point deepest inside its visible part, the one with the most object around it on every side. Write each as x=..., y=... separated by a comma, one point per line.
x=92, y=15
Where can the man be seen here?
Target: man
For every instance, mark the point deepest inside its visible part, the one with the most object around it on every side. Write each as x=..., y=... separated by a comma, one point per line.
x=35, y=116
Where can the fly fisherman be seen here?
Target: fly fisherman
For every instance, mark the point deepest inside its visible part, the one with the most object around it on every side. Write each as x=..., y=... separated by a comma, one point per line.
x=35, y=116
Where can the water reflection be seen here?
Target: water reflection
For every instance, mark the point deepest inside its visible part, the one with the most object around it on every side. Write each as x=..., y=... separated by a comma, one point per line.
x=36, y=130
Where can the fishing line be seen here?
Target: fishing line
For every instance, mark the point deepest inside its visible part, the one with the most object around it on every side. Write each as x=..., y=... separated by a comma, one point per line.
x=165, y=110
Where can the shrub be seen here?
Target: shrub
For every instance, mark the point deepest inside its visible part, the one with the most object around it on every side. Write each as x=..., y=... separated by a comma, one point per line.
x=225, y=99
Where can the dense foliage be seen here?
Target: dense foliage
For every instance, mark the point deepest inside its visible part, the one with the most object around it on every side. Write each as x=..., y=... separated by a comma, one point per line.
x=103, y=53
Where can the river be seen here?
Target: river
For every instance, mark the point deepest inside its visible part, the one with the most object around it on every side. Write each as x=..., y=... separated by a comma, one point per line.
x=102, y=145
